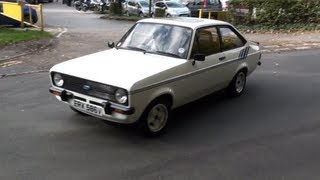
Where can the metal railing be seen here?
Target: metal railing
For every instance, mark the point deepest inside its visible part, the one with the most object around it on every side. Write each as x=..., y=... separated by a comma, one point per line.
x=16, y=11
x=221, y=15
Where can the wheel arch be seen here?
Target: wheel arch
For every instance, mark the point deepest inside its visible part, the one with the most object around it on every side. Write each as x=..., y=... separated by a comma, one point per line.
x=243, y=67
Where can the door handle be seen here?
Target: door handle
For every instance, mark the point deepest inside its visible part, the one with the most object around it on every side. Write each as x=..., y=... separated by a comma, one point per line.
x=222, y=58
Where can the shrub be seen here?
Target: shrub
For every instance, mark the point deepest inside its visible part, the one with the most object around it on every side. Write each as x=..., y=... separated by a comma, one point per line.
x=159, y=12
x=115, y=8
x=275, y=12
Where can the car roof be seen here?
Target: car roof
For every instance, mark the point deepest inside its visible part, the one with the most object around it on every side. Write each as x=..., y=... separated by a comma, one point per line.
x=190, y=22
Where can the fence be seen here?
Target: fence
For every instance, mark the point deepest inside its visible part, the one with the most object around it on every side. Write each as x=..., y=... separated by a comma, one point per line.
x=26, y=14
x=220, y=15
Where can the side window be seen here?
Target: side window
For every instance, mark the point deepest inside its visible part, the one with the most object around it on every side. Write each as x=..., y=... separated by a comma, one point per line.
x=206, y=42
x=161, y=5
x=230, y=39
x=131, y=3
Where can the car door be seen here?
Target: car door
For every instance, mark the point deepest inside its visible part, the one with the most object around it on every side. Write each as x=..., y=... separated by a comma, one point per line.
x=135, y=8
x=205, y=76
x=130, y=7
x=234, y=50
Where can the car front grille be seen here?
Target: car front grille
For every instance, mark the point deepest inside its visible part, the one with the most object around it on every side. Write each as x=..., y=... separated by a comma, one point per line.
x=88, y=87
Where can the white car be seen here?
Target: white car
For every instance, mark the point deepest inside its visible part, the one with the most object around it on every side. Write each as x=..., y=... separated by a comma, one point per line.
x=158, y=65
x=172, y=9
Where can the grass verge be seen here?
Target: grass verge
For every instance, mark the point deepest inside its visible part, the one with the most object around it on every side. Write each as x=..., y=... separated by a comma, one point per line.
x=11, y=36
x=123, y=18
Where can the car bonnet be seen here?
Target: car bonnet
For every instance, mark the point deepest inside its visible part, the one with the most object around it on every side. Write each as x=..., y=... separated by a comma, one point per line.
x=121, y=68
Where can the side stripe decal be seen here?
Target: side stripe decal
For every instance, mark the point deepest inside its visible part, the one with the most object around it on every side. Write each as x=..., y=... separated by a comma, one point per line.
x=244, y=53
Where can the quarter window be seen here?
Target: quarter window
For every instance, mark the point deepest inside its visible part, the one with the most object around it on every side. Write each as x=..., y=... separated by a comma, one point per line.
x=230, y=39
x=162, y=5
x=131, y=3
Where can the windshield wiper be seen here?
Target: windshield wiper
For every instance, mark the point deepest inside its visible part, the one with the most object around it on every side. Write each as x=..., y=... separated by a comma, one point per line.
x=168, y=54
x=136, y=48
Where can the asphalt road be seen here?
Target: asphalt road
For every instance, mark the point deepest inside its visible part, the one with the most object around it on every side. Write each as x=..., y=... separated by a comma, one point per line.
x=271, y=132
x=58, y=15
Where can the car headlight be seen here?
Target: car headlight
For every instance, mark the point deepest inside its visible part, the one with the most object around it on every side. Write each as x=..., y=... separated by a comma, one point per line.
x=121, y=96
x=57, y=79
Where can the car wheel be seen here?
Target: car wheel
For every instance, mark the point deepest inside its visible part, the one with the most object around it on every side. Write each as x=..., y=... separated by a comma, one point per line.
x=238, y=83
x=154, y=120
x=85, y=8
x=168, y=15
x=141, y=14
x=77, y=111
x=78, y=7
x=27, y=18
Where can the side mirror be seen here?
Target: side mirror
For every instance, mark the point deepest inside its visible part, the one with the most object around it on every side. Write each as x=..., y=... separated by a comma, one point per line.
x=110, y=45
x=198, y=57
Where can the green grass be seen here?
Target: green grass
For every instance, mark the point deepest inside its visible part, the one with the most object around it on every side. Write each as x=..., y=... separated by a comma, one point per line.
x=280, y=28
x=11, y=36
x=122, y=18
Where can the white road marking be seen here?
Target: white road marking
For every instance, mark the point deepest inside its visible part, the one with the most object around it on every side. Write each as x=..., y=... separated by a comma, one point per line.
x=271, y=46
x=62, y=32
x=265, y=50
x=282, y=49
x=300, y=48
x=290, y=45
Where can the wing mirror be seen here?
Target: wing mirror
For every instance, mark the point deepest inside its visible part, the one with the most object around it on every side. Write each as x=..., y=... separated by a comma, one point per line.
x=110, y=44
x=198, y=57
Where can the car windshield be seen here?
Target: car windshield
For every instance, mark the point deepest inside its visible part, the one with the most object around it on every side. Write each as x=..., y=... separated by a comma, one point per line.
x=169, y=40
x=144, y=4
x=174, y=5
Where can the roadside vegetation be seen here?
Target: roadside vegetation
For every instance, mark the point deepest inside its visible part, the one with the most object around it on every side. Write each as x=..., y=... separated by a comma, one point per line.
x=121, y=17
x=275, y=15
x=11, y=36
x=258, y=15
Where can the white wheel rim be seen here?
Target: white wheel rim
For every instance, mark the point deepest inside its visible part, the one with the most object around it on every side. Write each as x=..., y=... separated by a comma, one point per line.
x=240, y=82
x=157, y=117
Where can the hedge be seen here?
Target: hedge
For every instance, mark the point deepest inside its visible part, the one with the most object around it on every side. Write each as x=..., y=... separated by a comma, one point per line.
x=275, y=12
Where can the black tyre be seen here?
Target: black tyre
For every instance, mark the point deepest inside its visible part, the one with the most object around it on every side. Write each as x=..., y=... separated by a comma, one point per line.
x=78, y=7
x=155, y=118
x=238, y=83
x=27, y=18
x=85, y=8
x=141, y=14
x=77, y=111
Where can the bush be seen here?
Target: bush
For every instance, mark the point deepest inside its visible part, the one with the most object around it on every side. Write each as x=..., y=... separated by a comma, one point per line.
x=115, y=8
x=159, y=12
x=275, y=12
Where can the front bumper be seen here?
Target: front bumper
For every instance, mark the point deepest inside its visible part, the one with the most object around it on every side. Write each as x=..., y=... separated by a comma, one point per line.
x=111, y=112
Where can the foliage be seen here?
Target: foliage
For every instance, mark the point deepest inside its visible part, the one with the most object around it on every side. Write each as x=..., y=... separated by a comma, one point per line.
x=274, y=12
x=9, y=36
x=124, y=18
x=159, y=12
x=115, y=8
